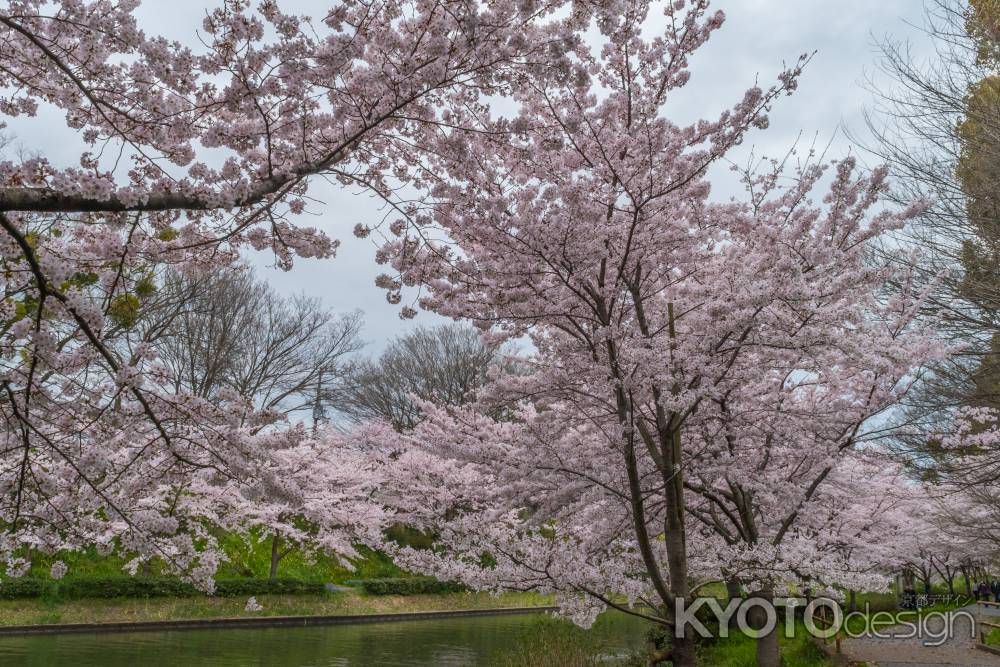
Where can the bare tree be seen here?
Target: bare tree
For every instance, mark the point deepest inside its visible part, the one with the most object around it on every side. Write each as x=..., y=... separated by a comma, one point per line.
x=938, y=127
x=229, y=330
x=446, y=365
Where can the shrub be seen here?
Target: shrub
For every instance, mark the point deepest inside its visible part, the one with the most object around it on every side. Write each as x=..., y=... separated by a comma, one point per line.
x=409, y=586
x=241, y=587
x=123, y=587
x=149, y=587
x=13, y=589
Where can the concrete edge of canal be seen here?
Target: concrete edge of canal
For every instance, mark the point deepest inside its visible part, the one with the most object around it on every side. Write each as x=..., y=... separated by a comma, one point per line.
x=258, y=622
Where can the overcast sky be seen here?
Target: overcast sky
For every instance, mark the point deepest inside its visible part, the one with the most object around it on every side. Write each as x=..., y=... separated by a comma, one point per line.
x=757, y=38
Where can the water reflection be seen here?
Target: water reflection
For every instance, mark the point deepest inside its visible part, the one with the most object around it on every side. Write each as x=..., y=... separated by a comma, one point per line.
x=453, y=642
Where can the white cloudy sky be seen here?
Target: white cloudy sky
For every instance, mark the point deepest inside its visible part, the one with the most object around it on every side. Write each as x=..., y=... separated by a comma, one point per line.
x=758, y=37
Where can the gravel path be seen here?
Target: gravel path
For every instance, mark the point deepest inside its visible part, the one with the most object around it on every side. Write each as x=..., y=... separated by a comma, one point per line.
x=901, y=651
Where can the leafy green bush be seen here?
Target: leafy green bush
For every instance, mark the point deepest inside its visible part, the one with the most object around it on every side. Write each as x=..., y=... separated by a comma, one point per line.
x=148, y=587
x=13, y=589
x=241, y=587
x=123, y=587
x=409, y=586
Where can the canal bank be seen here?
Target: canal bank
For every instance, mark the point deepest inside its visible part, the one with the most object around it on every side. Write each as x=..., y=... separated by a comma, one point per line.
x=259, y=621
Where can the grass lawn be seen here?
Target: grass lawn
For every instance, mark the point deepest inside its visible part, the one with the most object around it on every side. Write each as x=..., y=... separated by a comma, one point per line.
x=40, y=611
x=244, y=560
x=738, y=650
x=875, y=601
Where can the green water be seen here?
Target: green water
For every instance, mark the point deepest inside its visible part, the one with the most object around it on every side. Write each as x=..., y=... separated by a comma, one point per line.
x=449, y=642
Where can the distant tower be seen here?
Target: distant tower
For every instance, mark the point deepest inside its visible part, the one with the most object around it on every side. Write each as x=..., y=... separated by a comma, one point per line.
x=319, y=414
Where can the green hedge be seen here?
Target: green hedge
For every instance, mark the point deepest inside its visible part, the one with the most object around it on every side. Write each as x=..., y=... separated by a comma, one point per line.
x=148, y=587
x=13, y=589
x=410, y=586
x=239, y=587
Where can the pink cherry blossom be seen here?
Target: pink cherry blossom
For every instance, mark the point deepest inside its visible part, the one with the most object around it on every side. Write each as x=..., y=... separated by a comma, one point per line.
x=189, y=155
x=708, y=379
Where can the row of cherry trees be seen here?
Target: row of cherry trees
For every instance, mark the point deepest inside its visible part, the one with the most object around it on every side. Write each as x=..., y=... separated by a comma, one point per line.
x=189, y=156
x=708, y=378
x=709, y=384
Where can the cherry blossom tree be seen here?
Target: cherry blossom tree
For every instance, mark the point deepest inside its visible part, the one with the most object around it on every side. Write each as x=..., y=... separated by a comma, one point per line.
x=929, y=547
x=225, y=329
x=311, y=494
x=690, y=356
x=868, y=505
x=190, y=155
x=964, y=494
x=569, y=499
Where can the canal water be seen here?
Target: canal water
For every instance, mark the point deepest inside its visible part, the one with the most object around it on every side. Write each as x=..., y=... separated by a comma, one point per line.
x=452, y=642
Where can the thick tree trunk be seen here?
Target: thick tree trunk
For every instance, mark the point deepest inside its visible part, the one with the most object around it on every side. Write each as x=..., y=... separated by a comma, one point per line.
x=951, y=585
x=275, y=555
x=685, y=649
x=684, y=652
x=768, y=650
x=853, y=600
x=734, y=589
x=665, y=448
